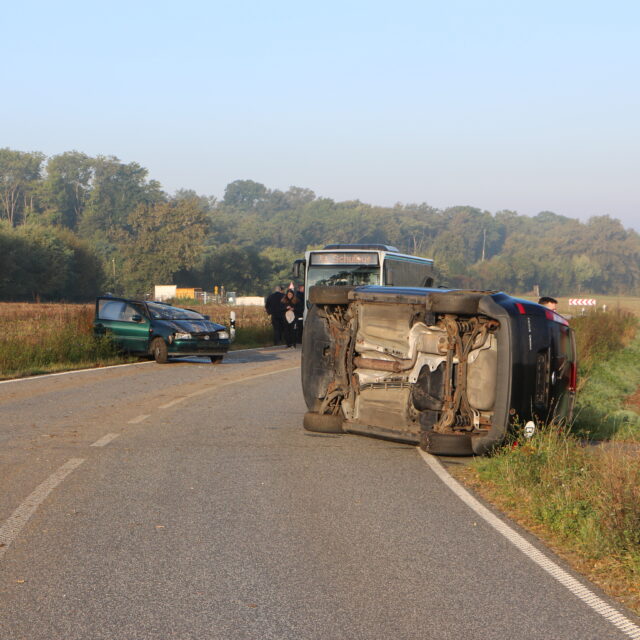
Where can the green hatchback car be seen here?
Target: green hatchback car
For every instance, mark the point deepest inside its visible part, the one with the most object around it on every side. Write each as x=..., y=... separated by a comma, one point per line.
x=159, y=330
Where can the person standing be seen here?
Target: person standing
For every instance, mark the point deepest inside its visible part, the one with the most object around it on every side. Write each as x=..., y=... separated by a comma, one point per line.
x=273, y=306
x=299, y=309
x=550, y=303
x=289, y=302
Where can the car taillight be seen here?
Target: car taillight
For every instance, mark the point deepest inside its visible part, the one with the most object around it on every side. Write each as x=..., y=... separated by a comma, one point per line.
x=556, y=317
x=573, y=377
x=521, y=308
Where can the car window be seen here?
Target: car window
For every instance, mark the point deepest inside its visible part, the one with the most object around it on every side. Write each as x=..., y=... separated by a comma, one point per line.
x=110, y=309
x=128, y=312
x=118, y=310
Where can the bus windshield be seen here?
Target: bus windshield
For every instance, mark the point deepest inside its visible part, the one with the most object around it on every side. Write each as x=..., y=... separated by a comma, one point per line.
x=340, y=275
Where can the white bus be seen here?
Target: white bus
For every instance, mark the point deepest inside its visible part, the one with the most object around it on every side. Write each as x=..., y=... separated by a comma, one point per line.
x=360, y=264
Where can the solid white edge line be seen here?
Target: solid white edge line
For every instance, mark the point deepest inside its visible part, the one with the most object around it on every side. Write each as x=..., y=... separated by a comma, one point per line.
x=140, y=418
x=13, y=525
x=577, y=588
x=66, y=373
x=114, y=366
x=110, y=437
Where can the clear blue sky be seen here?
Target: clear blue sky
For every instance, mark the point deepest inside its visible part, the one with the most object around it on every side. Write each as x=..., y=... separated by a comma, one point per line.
x=501, y=105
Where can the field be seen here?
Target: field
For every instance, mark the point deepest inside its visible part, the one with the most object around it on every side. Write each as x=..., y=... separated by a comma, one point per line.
x=43, y=338
x=629, y=303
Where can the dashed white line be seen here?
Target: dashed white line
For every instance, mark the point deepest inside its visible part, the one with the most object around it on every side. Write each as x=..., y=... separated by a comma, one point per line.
x=577, y=588
x=12, y=527
x=172, y=403
x=138, y=419
x=105, y=440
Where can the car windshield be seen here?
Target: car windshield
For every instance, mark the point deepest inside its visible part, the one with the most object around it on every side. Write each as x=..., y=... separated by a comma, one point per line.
x=165, y=312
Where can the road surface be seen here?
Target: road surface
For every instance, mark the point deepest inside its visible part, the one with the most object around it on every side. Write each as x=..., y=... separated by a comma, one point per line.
x=185, y=501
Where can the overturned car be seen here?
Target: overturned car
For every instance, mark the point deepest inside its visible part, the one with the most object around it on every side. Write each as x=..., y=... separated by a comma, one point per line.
x=452, y=370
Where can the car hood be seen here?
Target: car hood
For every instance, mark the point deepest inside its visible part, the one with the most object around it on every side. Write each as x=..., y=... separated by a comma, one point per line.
x=191, y=326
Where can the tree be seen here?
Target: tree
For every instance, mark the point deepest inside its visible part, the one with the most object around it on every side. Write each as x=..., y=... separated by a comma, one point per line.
x=117, y=190
x=19, y=172
x=161, y=239
x=66, y=187
x=245, y=194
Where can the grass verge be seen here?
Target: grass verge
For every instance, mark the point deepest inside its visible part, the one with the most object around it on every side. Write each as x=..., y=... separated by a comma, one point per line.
x=582, y=499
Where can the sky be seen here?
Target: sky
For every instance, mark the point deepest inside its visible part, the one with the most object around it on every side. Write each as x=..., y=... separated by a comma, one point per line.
x=528, y=106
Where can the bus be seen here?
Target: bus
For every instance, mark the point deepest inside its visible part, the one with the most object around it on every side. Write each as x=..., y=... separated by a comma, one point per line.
x=362, y=264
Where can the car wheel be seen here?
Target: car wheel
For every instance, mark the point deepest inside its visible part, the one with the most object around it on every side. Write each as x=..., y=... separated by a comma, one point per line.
x=160, y=351
x=329, y=295
x=322, y=422
x=216, y=359
x=446, y=444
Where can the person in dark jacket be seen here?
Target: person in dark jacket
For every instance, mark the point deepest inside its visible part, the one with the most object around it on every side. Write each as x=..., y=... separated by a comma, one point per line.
x=273, y=306
x=289, y=302
x=299, y=309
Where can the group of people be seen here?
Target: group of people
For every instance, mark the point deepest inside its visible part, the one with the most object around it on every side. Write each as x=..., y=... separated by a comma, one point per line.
x=287, y=312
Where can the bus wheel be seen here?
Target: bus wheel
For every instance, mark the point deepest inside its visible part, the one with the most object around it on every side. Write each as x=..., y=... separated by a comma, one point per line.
x=322, y=422
x=329, y=295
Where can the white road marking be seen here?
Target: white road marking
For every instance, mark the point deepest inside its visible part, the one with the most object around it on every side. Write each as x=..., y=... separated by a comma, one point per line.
x=172, y=403
x=66, y=373
x=12, y=527
x=105, y=440
x=577, y=588
x=138, y=419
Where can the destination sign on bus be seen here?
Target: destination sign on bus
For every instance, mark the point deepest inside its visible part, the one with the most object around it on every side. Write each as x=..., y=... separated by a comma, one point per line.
x=344, y=258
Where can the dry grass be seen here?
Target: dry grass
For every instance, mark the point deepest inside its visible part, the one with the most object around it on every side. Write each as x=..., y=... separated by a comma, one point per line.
x=40, y=338
x=584, y=502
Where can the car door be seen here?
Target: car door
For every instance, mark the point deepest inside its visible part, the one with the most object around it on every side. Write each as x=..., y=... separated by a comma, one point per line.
x=125, y=322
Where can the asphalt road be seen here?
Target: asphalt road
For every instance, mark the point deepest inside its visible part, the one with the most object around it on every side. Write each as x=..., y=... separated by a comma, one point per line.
x=197, y=507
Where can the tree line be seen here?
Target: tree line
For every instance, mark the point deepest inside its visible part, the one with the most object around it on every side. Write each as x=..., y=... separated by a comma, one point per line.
x=73, y=226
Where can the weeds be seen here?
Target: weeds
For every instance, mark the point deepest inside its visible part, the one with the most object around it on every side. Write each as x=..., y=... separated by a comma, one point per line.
x=609, y=353
x=584, y=499
x=41, y=338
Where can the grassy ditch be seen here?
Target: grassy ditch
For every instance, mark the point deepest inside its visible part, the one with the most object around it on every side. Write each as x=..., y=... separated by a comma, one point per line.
x=582, y=497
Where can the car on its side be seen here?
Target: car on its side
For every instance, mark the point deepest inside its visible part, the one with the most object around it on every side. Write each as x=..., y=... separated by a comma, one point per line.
x=452, y=370
x=159, y=330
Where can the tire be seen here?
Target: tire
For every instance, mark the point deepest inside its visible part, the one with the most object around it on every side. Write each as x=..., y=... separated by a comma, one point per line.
x=159, y=351
x=454, y=302
x=322, y=422
x=216, y=359
x=317, y=366
x=329, y=295
x=446, y=444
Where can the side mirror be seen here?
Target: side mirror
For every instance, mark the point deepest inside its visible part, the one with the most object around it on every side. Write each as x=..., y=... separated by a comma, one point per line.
x=136, y=318
x=207, y=317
